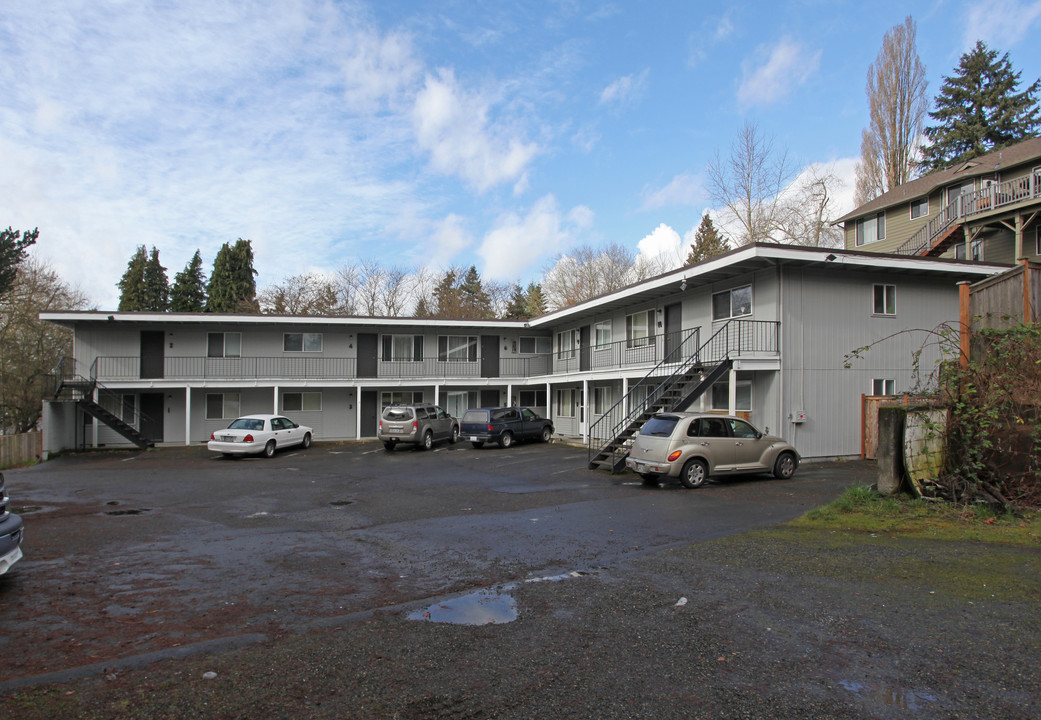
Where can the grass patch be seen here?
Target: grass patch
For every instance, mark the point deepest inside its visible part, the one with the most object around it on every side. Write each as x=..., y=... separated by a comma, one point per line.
x=862, y=509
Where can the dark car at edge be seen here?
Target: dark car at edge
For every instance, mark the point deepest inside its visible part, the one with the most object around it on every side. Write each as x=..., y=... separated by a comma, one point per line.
x=504, y=426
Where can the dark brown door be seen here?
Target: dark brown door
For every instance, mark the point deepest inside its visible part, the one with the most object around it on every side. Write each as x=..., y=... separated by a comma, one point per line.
x=369, y=409
x=490, y=398
x=151, y=425
x=673, y=328
x=490, y=356
x=152, y=353
x=584, y=349
x=368, y=343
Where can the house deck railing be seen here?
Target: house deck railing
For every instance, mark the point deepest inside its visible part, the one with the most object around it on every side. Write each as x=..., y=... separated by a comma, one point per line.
x=992, y=197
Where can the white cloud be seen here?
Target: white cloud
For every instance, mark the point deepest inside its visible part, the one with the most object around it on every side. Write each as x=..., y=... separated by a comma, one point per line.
x=378, y=70
x=775, y=71
x=683, y=189
x=518, y=243
x=625, y=89
x=663, y=243
x=450, y=237
x=1000, y=25
x=453, y=126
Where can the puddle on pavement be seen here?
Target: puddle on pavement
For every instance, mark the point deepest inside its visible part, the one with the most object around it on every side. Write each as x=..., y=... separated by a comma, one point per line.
x=128, y=511
x=902, y=698
x=338, y=503
x=494, y=606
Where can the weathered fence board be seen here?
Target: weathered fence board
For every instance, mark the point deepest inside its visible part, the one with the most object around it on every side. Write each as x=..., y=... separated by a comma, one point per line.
x=22, y=449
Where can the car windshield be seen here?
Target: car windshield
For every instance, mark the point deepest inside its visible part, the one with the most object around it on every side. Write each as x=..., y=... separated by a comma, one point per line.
x=660, y=426
x=247, y=424
x=401, y=413
x=476, y=416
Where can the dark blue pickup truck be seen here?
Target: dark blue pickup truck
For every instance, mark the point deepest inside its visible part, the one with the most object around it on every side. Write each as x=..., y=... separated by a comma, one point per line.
x=503, y=426
x=10, y=533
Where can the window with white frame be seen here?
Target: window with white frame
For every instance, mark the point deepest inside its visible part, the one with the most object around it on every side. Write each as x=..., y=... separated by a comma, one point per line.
x=302, y=402
x=457, y=402
x=302, y=342
x=223, y=345
x=883, y=386
x=121, y=405
x=567, y=341
x=920, y=208
x=222, y=406
x=603, y=398
x=536, y=345
x=871, y=229
x=457, y=348
x=884, y=300
x=639, y=329
x=565, y=402
x=398, y=397
x=402, y=348
x=733, y=303
x=721, y=394
x=956, y=191
x=533, y=398
x=603, y=334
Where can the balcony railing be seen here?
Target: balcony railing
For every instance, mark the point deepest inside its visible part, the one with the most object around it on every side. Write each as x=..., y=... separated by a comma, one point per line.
x=637, y=352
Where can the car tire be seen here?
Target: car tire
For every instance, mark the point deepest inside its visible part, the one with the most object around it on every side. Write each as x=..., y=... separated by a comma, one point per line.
x=546, y=434
x=694, y=473
x=428, y=441
x=785, y=466
x=454, y=437
x=228, y=456
x=389, y=446
x=306, y=442
x=478, y=444
x=505, y=440
x=269, y=449
x=649, y=478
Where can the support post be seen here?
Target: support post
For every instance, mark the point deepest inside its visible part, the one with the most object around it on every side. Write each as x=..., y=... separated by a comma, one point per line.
x=965, y=323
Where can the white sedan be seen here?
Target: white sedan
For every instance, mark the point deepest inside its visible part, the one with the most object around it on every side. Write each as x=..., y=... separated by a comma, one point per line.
x=255, y=434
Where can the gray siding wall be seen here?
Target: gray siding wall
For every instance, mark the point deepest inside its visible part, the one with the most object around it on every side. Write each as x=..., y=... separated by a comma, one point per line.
x=828, y=316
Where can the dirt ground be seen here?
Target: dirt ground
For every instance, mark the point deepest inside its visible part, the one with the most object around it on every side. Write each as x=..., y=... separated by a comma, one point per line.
x=348, y=582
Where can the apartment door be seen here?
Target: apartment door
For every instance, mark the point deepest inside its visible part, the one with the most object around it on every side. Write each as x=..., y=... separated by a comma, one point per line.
x=152, y=353
x=151, y=416
x=490, y=356
x=369, y=409
x=368, y=344
x=584, y=349
x=673, y=328
x=489, y=398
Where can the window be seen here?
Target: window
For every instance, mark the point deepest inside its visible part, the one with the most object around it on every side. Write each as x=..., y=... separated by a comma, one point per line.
x=721, y=394
x=402, y=348
x=122, y=406
x=953, y=193
x=302, y=342
x=400, y=397
x=302, y=402
x=919, y=208
x=885, y=300
x=220, y=406
x=565, y=402
x=639, y=329
x=566, y=343
x=533, y=398
x=536, y=345
x=457, y=348
x=883, y=386
x=220, y=345
x=872, y=229
x=602, y=399
x=457, y=402
x=732, y=303
x=1037, y=241
x=603, y=335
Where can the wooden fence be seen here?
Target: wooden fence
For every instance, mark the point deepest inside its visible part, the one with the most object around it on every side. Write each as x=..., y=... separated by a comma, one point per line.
x=1004, y=300
x=23, y=449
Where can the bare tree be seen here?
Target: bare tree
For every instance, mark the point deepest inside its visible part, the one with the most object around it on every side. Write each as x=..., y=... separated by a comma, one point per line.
x=309, y=294
x=587, y=272
x=809, y=210
x=897, y=107
x=747, y=185
x=31, y=347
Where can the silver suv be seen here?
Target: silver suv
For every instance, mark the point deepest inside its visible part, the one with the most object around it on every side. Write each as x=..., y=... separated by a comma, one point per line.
x=417, y=424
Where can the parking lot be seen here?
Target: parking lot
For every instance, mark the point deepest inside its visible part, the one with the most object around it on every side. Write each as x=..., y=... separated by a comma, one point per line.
x=345, y=581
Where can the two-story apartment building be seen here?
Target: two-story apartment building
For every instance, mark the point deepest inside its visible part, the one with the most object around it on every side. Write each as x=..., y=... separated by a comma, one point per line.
x=770, y=325
x=984, y=209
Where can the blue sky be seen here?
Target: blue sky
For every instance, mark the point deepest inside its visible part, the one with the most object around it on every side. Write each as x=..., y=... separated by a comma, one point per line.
x=425, y=134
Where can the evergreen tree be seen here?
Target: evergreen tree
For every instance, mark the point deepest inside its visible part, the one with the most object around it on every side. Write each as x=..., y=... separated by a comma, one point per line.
x=707, y=242
x=188, y=293
x=157, y=286
x=13, y=248
x=422, y=309
x=446, y=295
x=535, y=301
x=133, y=295
x=517, y=308
x=474, y=301
x=979, y=109
x=233, y=285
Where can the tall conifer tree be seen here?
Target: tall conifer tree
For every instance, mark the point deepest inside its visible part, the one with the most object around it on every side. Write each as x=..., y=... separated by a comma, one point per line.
x=188, y=293
x=157, y=286
x=133, y=295
x=233, y=285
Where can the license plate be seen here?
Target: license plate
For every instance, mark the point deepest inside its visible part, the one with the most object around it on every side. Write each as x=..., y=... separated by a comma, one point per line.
x=473, y=439
x=227, y=438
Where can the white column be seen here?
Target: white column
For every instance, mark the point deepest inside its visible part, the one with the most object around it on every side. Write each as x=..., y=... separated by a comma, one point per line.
x=437, y=394
x=188, y=415
x=585, y=410
x=274, y=400
x=357, y=412
x=733, y=391
x=625, y=394
x=509, y=394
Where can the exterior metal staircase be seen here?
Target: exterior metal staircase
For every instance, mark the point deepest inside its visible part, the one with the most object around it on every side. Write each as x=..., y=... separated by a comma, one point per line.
x=674, y=384
x=71, y=387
